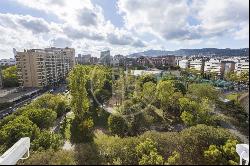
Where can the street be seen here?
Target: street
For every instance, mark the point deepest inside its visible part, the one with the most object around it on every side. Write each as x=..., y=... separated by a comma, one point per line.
x=13, y=108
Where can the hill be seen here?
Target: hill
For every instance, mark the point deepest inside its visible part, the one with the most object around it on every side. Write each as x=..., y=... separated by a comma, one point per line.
x=189, y=52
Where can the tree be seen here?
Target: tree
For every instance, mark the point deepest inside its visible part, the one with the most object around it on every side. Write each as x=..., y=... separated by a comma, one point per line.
x=201, y=91
x=149, y=92
x=174, y=159
x=10, y=77
x=117, y=125
x=102, y=95
x=148, y=154
x=244, y=77
x=213, y=155
x=77, y=83
x=194, y=112
x=225, y=154
x=16, y=129
x=131, y=110
x=86, y=129
x=43, y=118
x=164, y=91
x=147, y=78
x=180, y=87
x=57, y=103
x=83, y=81
x=82, y=131
x=190, y=143
x=231, y=76
x=188, y=118
x=50, y=157
x=47, y=140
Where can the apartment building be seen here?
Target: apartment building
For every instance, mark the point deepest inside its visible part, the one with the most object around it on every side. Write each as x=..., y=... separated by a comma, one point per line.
x=227, y=66
x=43, y=67
x=183, y=64
x=7, y=62
x=157, y=61
x=241, y=66
x=94, y=60
x=105, y=58
x=213, y=65
x=197, y=64
x=118, y=60
x=83, y=59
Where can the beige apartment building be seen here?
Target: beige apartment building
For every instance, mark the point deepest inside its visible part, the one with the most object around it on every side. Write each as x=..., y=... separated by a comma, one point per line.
x=43, y=67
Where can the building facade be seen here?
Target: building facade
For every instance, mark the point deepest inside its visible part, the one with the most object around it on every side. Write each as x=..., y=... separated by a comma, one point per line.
x=227, y=66
x=44, y=67
x=118, y=60
x=183, y=64
x=105, y=58
x=157, y=61
x=83, y=59
x=7, y=62
x=197, y=64
x=241, y=66
x=213, y=65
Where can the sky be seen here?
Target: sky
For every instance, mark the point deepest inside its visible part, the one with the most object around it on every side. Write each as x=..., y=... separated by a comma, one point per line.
x=122, y=26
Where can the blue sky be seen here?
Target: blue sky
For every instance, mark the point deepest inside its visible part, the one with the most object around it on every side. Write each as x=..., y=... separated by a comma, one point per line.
x=123, y=26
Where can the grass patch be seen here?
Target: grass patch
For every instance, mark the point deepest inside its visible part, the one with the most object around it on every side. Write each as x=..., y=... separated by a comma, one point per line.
x=233, y=96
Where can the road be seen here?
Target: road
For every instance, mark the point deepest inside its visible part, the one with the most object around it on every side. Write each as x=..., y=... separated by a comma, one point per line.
x=12, y=109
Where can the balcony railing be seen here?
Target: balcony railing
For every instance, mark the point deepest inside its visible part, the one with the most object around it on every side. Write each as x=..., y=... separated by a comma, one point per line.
x=16, y=152
x=243, y=152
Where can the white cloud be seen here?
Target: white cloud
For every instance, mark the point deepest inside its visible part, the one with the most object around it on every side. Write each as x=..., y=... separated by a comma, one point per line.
x=166, y=19
x=81, y=22
x=83, y=26
x=170, y=19
x=221, y=17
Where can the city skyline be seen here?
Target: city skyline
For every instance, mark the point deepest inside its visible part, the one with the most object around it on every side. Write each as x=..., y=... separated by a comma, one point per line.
x=122, y=26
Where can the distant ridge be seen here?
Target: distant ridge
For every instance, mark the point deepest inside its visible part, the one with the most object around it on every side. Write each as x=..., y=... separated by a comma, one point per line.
x=188, y=52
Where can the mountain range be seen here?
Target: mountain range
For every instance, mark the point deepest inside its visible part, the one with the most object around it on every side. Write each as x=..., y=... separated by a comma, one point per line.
x=189, y=52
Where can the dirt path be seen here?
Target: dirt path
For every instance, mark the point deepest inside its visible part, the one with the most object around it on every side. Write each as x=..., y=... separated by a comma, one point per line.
x=231, y=128
x=56, y=127
x=244, y=101
x=68, y=146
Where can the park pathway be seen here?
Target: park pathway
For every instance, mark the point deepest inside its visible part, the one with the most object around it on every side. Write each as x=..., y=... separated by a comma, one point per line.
x=244, y=101
x=232, y=129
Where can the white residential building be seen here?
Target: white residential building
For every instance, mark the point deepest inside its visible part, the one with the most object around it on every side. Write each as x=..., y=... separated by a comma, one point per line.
x=213, y=65
x=7, y=62
x=183, y=64
x=241, y=65
x=197, y=64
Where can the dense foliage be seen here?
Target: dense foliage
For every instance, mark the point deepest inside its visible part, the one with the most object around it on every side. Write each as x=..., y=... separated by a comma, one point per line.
x=126, y=120
x=10, y=77
x=34, y=121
